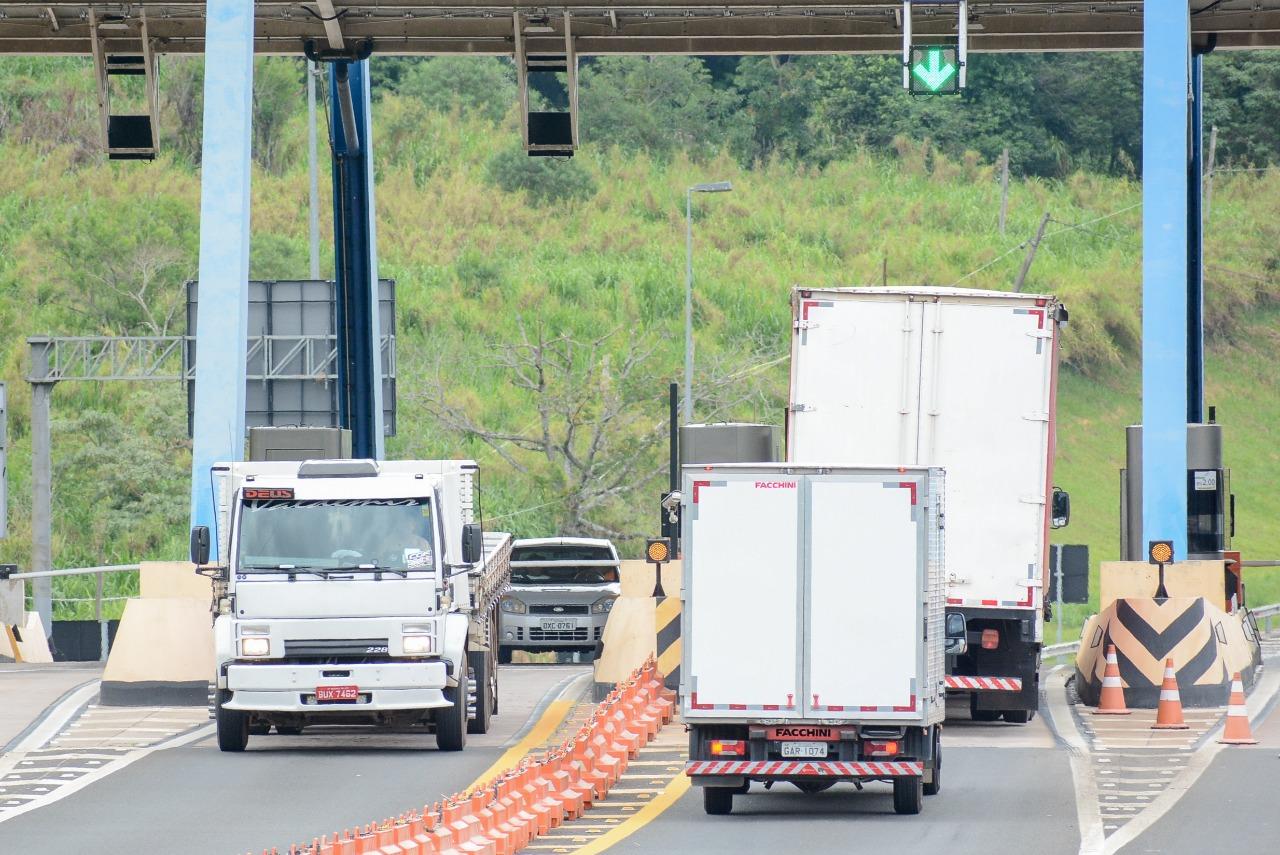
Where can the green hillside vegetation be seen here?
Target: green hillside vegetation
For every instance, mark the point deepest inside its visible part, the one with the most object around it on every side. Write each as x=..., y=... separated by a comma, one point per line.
x=540, y=302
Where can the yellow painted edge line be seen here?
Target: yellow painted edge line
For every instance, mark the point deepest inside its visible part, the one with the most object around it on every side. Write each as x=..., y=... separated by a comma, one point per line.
x=676, y=787
x=555, y=713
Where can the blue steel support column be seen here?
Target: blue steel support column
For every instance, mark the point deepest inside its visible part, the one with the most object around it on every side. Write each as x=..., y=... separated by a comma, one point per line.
x=356, y=266
x=1195, y=247
x=1166, y=58
x=222, y=319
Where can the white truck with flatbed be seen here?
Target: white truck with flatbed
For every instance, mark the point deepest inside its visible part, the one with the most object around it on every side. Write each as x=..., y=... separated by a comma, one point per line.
x=813, y=630
x=965, y=380
x=353, y=592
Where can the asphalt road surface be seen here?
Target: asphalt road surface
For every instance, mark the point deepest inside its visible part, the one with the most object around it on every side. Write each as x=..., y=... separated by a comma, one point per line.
x=196, y=800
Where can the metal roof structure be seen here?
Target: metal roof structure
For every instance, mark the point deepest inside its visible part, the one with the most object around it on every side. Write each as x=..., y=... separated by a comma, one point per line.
x=652, y=27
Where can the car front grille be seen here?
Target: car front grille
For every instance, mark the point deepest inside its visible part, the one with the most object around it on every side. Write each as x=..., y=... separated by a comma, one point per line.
x=339, y=648
x=579, y=634
x=559, y=610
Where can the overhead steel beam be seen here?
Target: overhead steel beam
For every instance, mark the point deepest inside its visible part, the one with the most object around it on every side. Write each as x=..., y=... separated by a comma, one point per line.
x=1166, y=120
x=222, y=325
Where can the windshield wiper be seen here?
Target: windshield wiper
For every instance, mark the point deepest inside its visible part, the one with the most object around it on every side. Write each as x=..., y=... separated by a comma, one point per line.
x=376, y=569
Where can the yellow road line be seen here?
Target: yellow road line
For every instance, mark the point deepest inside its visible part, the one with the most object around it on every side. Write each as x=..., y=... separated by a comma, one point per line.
x=676, y=787
x=551, y=719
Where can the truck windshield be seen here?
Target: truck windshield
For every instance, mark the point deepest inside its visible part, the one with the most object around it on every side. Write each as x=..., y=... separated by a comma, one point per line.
x=391, y=534
x=565, y=570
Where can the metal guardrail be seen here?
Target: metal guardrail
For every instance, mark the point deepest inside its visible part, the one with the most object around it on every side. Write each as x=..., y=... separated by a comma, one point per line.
x=98, y=599
x=1263, y=614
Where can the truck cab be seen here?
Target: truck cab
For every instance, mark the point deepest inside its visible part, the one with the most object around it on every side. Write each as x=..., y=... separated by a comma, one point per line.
x=562, y=589
x=349, y=592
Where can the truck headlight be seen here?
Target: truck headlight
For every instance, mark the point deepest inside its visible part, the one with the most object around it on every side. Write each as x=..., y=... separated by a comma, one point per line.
x=255, y=646
x=603, y=606
x=418, y=645
x=512, y=606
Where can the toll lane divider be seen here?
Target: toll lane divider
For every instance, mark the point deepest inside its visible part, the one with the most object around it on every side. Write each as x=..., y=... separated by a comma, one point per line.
x=537, y=794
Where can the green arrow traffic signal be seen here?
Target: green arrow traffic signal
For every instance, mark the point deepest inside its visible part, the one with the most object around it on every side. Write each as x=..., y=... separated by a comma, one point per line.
x=934, y=69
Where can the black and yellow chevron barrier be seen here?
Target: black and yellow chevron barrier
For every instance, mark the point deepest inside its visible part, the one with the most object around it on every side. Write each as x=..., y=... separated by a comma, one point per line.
x=666, y=624
x=1206, y=644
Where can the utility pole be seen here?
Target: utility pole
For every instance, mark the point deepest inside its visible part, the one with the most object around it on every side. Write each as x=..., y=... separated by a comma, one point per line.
x=315, y=184
x=1004, y=188
x=41, y=482
x=1031, y=253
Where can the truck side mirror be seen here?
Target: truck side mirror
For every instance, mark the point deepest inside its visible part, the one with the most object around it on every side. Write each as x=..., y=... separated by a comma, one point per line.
x=956, y=641
x=200, y=545
x=1061, y=508
x=472, y=543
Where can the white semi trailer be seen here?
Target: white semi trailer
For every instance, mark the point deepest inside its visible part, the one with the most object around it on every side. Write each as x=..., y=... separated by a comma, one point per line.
x=353, y=592
x=813, y=628
x=965, y=380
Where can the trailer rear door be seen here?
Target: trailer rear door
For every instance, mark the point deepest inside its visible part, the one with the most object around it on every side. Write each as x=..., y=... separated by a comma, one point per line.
x=865, y=570
x=742, y=547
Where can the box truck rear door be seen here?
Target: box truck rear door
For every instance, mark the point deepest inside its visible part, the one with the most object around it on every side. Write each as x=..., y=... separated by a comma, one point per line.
x=863, y=593
x=742, y=594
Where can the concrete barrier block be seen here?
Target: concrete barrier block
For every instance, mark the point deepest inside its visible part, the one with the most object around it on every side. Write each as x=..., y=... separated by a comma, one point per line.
x=170, y=579
x=163, y=654
x=1137, y=579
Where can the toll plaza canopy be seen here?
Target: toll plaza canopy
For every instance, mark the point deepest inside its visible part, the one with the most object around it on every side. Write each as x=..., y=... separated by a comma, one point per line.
x=649, y=27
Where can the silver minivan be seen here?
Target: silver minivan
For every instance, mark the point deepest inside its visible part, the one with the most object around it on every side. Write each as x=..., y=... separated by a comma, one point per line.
x=562, y=589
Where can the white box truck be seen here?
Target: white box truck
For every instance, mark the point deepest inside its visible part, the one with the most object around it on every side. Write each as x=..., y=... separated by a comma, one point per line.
x=813, y=628
x=965, y=380
x=353, y=592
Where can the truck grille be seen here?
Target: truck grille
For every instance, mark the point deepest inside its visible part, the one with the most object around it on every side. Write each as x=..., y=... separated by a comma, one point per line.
x=579, y=634
x=342, y=648
x=559, y=610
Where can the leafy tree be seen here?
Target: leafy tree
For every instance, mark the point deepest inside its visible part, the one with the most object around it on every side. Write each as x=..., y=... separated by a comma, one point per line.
x=657, y=104
x=1242, y=97
x=480, y=85
x=547, y=180
x=777, y=97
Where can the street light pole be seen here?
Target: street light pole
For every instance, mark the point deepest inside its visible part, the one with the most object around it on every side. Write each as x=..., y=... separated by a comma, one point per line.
x=714, y=187
x=688, y=306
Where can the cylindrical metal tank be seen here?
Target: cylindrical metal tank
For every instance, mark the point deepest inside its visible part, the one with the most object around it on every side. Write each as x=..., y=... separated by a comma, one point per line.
x=1208, y=494
x=728, y=442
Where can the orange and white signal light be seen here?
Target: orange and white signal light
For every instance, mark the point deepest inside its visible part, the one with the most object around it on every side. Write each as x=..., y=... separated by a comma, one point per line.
x=658, y=551
x=728, y=747
x=1161, y=551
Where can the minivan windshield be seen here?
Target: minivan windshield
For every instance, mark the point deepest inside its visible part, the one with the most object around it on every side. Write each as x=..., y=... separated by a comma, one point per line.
x=566, y=573
x=390, y=534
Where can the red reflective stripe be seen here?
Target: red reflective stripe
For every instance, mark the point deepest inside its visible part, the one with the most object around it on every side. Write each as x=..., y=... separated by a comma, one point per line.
x=909, y=485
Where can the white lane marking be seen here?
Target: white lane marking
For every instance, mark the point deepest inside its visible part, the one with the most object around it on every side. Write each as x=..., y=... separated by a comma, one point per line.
x=53, y=723
x=1196, y=765
x=1088, y=814
x=64, y=790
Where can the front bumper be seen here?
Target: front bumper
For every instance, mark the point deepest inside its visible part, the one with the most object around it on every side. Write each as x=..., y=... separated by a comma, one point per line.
x=263, y=687
x=527, y=631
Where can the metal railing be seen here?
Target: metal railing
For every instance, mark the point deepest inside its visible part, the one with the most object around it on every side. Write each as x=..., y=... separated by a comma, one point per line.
x=1263, y=615
x=98, y=599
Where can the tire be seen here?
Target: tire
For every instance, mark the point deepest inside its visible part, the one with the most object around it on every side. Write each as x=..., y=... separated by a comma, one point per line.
x=908, y=794
x=812, y=787
x=504, y=655
x=934, y=787
x=233, y=726
x=1019, y=716
x=289, y=729
x=981, y=715
x=451, y=721
x=717, y=801
x=483, y=673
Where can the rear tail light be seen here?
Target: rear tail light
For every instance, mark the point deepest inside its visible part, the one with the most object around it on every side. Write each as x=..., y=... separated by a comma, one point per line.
x=990, y=639
x=728, y=748
x=880, y=749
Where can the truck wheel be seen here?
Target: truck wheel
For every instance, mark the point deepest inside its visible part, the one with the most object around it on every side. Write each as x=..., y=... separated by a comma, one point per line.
x=908, y=794
x=934, y=787
x=717, y=801
x=1019, y=716
x=981, y=715
x=483, y=674
x=233, y=726
x=504, y=655
x=451, y=721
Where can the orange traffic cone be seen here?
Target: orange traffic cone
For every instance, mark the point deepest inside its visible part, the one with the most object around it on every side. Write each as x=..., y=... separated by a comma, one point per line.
x=1111, y=701
x=1237, y=730
x=1169, y=712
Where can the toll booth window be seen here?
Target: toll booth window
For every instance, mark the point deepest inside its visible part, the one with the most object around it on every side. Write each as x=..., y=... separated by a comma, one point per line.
x=1206, y=517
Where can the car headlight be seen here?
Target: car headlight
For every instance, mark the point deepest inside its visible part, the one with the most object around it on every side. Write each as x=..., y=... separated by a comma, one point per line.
x=512, y=606
x=418, y=645
x=603, y=606
x=255, y=646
